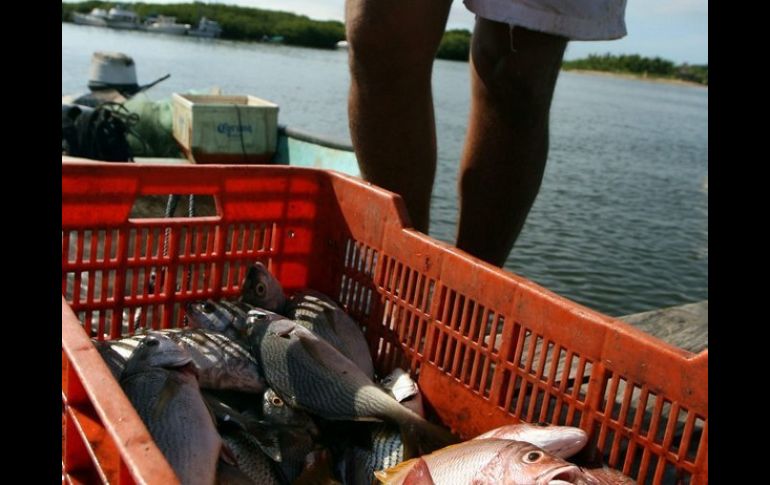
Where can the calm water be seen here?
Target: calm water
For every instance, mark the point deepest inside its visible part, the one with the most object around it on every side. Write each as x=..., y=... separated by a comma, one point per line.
x=621, y=221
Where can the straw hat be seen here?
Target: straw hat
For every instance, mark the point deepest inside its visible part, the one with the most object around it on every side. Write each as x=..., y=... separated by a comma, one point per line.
x=117, y=71
x=113, y=70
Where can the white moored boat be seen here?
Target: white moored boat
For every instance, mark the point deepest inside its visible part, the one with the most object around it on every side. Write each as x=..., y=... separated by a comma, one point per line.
x=122, y=18
x=166, y=25
x=206, y=28
x=97, y=17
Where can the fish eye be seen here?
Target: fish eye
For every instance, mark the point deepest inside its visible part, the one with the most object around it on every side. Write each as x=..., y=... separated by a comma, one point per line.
x=257, y=315
x=152, y=342
x=261, y=289
x=209, y=307
x=276, y=401
x=533, y=456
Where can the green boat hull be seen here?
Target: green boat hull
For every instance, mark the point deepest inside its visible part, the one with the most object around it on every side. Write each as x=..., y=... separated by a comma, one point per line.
x=301, y=149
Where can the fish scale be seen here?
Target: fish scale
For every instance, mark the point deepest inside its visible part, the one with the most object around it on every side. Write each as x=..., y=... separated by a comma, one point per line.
x=310, y=374
x=319, y=314
x=304, y=383
x=171, y=407
x=250, y=458
x=313, y=310
x=310, y=314
x=387, y=451
x=222, y=362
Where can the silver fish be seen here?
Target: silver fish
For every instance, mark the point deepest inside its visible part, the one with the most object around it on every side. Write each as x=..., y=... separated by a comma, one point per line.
x=296, y=431
x=404, y=389
x=223, y=316
x=386, y=446
x=310, y=374
x=560, y=441
x=489, y=461
x=387, y=450
x=222, y=363
x=250, y=458
x=276, y=411
x=318, y=313
x=261, y=289
x=229, y=418
x=313, y=310
x=284, y=434
x=160, y=382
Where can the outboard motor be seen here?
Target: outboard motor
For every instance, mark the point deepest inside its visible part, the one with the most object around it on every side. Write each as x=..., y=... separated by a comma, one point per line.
x=97, y=133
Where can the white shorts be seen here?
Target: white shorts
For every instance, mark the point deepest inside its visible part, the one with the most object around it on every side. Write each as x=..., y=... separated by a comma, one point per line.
x=573, y=19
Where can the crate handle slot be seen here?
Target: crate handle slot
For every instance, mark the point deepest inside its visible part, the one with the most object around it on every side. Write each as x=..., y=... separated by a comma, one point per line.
x=176, y=207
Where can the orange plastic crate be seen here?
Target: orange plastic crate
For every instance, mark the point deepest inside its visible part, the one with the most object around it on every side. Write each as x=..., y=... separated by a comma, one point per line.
x=489, y=347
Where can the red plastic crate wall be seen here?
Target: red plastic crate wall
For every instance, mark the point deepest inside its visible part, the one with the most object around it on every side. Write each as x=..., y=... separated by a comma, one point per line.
x=490, y=347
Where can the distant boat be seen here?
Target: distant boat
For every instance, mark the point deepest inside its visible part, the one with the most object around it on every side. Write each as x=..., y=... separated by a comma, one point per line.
x=166, y=25
x=343, y=44
x=97, y=17
x=206, y=28
x=122, y=18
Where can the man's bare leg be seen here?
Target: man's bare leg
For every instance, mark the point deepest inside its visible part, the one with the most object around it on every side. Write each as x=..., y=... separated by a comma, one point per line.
x=392, y=44
x=513, y=75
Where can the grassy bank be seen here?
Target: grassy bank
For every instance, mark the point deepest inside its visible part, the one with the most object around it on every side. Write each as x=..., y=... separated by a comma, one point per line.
x=641, y=68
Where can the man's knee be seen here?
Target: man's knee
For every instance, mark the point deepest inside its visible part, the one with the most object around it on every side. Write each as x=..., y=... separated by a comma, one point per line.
x=393, y=41
x=376, y=59
x=517, y=68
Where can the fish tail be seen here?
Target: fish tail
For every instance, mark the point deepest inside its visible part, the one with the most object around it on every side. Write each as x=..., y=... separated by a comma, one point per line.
x=421, y=437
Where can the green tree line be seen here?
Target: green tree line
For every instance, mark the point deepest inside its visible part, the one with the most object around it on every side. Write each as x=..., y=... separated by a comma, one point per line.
x=253, y=24
x=644, y=66
x=238, y=23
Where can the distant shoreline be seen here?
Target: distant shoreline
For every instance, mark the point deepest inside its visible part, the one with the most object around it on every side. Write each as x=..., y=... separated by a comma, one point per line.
x=638, y=77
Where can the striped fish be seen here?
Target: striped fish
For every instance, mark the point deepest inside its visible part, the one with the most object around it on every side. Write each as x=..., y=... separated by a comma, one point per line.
x=311, y=309
x=226, y=317
x=222, y=363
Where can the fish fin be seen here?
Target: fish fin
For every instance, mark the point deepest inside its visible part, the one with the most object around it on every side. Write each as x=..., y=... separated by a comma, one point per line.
x=409, y=440
x=419, y=474
x=228, y=418
x=324, y=353
x=249, y=283
x=221, y=413
x=391, y=475
x=421, y=437
x=227, y=455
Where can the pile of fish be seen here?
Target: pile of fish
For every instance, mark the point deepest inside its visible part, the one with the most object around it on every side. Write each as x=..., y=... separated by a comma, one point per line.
x=275, y=390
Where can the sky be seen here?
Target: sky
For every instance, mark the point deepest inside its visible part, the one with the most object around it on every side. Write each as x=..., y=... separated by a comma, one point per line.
x=676, y=30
